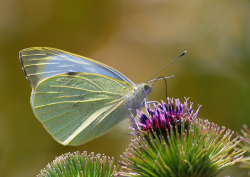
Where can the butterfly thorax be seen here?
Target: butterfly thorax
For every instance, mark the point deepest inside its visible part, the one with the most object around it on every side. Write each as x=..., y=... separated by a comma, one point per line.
x=136, y=100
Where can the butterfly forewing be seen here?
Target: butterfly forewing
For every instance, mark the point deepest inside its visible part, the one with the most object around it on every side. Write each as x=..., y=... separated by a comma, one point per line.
x=75, y=108
x=40, y=63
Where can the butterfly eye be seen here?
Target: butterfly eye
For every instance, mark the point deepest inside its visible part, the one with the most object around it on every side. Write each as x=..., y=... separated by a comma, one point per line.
x=146, y=87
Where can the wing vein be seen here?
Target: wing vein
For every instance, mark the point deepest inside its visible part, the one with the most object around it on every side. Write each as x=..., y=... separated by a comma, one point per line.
x=81, y=108
x=75, y=102
x=70, y=96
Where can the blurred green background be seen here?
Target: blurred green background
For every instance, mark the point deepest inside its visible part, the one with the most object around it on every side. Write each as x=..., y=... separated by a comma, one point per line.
x=136, y=37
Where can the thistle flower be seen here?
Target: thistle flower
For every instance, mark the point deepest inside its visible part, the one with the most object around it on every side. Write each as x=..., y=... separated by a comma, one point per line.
x=173, y=142
x=79, y=165
x=164, y=116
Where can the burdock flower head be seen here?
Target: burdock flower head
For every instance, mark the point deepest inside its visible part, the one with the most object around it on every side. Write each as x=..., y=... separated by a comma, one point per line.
x=79, y=165
x=245, y=145
x=172, y=141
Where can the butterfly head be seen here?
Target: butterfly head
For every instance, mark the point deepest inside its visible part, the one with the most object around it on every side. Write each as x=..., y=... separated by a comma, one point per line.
x=148, y=88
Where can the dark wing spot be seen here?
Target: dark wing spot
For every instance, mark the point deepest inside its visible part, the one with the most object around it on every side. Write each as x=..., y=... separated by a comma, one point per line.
x=72, y=73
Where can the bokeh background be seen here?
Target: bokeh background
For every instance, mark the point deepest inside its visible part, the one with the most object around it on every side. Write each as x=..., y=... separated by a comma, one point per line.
x=136, y=37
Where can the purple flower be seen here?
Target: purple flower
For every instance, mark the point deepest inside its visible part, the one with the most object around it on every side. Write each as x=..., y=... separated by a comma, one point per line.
x=163, y=116
x=172, y=141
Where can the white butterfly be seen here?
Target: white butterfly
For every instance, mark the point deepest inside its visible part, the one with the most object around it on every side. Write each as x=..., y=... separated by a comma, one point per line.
x=76, y=98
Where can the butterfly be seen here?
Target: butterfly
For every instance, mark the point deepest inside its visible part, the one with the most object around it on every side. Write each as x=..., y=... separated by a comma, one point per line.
x=76, y=98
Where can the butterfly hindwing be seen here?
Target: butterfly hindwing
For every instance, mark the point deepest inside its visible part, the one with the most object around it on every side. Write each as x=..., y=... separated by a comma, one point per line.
x=77, y=107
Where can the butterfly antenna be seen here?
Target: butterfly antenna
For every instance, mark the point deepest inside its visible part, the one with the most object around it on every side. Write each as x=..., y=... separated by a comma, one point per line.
x=160, y=78
x=167, y=65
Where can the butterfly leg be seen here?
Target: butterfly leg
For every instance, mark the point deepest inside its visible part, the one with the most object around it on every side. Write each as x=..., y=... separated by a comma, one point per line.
x=133, y=118
x=151, y=102
x=132, y=112
x=144, y=102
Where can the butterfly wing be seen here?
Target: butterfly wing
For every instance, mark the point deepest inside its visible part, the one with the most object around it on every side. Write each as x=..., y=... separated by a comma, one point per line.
x=77, y=108
x=74, y=106
x=40, y=63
